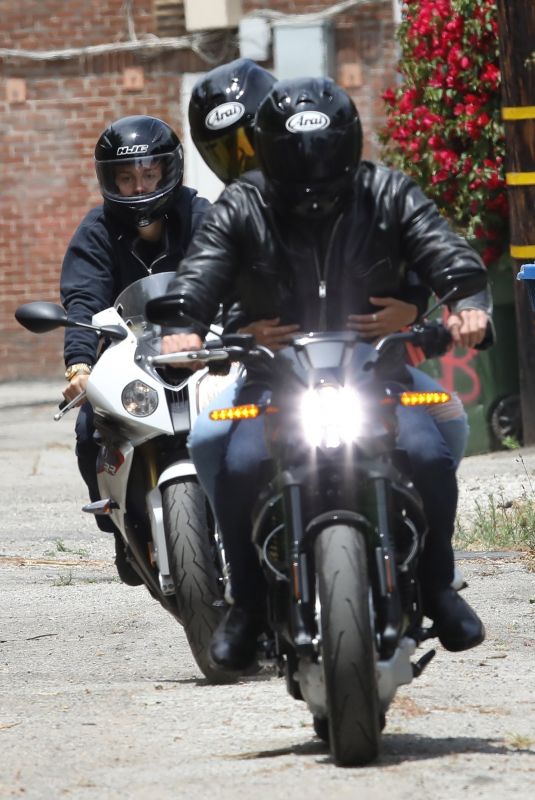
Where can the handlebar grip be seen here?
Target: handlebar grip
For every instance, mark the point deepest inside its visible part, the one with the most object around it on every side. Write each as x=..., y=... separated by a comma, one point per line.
x=433, y=338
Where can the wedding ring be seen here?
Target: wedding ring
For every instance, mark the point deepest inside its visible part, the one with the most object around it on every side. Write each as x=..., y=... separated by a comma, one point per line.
x=374, y=317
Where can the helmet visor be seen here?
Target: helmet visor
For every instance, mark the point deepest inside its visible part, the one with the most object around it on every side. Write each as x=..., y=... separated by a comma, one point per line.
x=230, y=155
x=139, y=178
x=317, y=201
x=308, y=159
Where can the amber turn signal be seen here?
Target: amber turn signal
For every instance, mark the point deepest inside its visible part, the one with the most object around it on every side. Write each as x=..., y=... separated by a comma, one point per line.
x=423, y=398
x=249, y=411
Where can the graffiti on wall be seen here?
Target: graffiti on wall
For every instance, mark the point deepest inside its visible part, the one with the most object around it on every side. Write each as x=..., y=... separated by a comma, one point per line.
x=458, y=370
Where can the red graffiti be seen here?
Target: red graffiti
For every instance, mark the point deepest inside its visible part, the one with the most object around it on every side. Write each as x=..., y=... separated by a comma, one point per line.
x=451, y=362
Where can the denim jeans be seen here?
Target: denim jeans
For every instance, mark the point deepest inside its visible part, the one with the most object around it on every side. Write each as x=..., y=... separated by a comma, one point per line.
x=208, y=439
x=450, y=418
x=233, y=478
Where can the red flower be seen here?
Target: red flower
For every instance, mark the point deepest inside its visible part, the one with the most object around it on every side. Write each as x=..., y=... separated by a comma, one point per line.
x=490, y=74
x=443, y=121
x=439, y=177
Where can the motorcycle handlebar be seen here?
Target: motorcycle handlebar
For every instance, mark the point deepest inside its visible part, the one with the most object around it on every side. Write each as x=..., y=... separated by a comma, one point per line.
x=232, y=347
x=432, y=337
x=187, y=356
x=65, y=406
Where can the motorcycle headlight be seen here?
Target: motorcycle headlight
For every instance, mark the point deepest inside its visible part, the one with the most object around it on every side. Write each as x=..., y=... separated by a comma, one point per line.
x=139, y=399
x=331, y=416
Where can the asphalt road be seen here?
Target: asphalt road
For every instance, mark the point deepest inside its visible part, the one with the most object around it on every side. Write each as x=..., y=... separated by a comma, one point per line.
x=100, y=698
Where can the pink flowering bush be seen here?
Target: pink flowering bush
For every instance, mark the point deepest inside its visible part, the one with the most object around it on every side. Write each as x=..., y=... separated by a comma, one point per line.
x=443, y=121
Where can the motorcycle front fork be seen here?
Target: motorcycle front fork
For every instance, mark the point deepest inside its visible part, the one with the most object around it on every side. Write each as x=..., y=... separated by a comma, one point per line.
x=389, y=616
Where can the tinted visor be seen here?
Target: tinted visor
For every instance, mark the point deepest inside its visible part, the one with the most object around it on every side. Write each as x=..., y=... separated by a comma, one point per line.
x=317, y=201
x=139, y=178
x=230, y=155
x=308, y=157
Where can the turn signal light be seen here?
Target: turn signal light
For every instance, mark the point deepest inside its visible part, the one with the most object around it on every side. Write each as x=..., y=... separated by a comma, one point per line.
x=249, y=411
x=423, y=398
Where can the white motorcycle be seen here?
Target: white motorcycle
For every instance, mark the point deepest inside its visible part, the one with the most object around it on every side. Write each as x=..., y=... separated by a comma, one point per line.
x=148, y=486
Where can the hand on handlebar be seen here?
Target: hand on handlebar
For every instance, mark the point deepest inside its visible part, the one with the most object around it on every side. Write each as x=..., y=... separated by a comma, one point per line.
x=77, y=385
x=468, y=327
x=180, y=342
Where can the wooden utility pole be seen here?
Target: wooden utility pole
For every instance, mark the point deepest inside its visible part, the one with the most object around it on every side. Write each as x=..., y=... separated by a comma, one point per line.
x=516, y=20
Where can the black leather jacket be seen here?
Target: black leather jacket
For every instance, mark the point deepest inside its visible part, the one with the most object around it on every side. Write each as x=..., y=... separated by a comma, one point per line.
x=315, y=275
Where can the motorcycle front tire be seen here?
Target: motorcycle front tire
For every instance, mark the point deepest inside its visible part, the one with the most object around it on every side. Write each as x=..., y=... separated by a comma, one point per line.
x=348, y=651
x=193, y=565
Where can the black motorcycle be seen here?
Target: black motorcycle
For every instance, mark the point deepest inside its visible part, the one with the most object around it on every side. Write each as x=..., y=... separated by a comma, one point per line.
x=339, y=525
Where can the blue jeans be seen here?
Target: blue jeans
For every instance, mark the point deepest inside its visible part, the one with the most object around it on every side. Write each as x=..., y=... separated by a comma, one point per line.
x=450, y=418
x=207, y=441
x=232, y=481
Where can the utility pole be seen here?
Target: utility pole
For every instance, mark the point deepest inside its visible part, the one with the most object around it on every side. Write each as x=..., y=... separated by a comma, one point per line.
x=516, y=21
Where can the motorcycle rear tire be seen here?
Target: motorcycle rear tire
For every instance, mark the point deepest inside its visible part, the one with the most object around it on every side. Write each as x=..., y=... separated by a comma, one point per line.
x=347, y=646
x=192, y=563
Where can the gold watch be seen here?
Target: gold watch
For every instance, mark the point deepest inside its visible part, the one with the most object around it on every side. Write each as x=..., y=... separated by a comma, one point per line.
x=74, y=369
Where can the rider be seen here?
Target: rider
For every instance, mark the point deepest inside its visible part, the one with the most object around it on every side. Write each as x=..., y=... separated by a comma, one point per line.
x=144, y=225
x=221, y=113
x=309, y=238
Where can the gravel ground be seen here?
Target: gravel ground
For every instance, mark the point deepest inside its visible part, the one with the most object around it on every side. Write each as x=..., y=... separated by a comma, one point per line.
x=101, y=699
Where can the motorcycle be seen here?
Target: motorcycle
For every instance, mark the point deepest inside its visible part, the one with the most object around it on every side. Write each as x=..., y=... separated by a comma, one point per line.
x=338, y=526
x=147, y=482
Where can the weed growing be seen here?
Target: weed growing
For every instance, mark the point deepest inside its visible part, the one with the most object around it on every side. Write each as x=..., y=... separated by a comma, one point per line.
x=501, y=524
x=61, y=547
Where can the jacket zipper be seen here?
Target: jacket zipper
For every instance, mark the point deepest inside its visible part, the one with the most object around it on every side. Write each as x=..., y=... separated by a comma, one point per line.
x=322, y=279
x=160, y=257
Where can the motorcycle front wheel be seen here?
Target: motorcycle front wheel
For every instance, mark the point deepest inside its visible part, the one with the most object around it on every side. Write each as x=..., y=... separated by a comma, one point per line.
x=348, y=651
x=193, y=563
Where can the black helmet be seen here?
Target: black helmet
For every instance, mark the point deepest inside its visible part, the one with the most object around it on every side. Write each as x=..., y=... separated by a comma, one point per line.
x=308, y=141
x=139, y=163
x=221, y=116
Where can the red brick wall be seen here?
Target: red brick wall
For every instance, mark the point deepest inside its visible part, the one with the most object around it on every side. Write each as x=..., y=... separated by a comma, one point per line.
x=47, y=140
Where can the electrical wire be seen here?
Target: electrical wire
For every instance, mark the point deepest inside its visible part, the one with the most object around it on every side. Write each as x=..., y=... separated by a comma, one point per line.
x=195, y=42
x=315, y=16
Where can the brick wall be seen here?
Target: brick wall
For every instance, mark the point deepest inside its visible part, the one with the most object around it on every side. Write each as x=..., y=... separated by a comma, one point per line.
x=52, y=112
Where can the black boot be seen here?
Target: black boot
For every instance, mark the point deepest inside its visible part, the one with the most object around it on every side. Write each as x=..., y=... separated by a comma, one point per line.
x=125, y=570
x=457, y=625
x=234, y=641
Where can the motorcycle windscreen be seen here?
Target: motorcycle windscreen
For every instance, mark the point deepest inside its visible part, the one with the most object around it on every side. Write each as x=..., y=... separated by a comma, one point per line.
x=132, y=301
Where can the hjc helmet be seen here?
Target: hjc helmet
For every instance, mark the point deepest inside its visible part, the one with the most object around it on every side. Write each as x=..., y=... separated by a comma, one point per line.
x=221, y=116
x=308, y=141
x=142, y=145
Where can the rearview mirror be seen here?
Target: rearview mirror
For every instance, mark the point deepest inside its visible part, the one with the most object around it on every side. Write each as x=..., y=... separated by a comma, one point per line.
x=41, y=317
x=167, y=310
